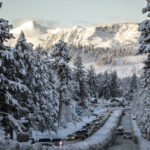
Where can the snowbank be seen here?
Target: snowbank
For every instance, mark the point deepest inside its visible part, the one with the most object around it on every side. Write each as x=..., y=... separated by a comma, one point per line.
x=99, y=139
x=143, y=143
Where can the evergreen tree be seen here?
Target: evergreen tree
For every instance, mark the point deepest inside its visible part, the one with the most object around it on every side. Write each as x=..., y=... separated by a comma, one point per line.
x=61, y=58
x=143, y=102
x=133, y=86
x=81, y=81
x=115, y=91
x=11, y=85
x=92, y=82
x=106, y=86
x=45, y=93
x=24, y=53
x=100, y=82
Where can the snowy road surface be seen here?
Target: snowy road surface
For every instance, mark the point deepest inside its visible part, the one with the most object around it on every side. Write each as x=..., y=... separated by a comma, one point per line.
x=125, y=144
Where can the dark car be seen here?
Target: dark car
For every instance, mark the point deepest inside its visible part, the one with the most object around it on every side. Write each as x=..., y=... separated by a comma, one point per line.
x=57, y=142
x=85, y=127
x=96, y=126
x=123, y=112
x=127, y=135
x=81, y=135
x=70, y=137
x=45, y=141
x=120, y=130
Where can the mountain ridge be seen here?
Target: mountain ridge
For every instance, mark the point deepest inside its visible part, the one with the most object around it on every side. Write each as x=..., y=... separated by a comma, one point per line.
x=101, y=45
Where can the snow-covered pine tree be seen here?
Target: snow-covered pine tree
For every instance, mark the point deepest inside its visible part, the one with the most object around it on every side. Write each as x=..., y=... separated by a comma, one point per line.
x=133, y=86
x=35, y=72
x=62, y=58
x=80, y=79
x=143, y=102
x=115, y=91
x=45, y=96
x=100, y=82
x=106, y=86
x=24, y=53
x=92, y=82
x=144, y=28
x=11, y=85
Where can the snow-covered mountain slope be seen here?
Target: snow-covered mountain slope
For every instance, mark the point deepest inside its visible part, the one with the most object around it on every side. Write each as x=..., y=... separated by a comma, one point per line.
x=113, y=35
x=124, y=66
x=107, y=47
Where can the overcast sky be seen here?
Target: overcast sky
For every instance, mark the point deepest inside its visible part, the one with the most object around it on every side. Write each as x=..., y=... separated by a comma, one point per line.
x=68, y=13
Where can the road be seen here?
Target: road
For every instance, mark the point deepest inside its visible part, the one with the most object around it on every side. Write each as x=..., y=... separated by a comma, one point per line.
x=124, y=144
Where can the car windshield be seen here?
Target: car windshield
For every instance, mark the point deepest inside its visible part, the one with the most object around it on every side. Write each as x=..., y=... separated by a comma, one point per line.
x=128, y=133
x=119, y=130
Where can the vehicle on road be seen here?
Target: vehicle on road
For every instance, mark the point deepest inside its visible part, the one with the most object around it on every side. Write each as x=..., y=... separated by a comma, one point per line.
x=70, y=137
x=120, y=130
x=81, y=135
x=123, y=112
x=133, y=118
x=88, y=124
x=45, y=141
x=96, y=127
x=85, y=127
x=127, y=135
x=57, y=142
x=102, y=115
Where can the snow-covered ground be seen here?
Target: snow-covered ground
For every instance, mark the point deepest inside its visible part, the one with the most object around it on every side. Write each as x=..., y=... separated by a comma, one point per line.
x=143, y=143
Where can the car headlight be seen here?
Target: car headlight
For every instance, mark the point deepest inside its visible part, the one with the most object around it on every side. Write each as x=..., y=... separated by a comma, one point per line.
x=60, y=143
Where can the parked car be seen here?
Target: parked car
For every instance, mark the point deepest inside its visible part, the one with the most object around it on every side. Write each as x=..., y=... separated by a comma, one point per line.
x=102, y=115
x=81, y=135
x=88, y=124
x=97, y=123
x=127, y=135
x=85, y=127
x=120, y=130
x=45, y=141
x=70, y=137
x=96, y=127
x=57, y=142
x=123, y=112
